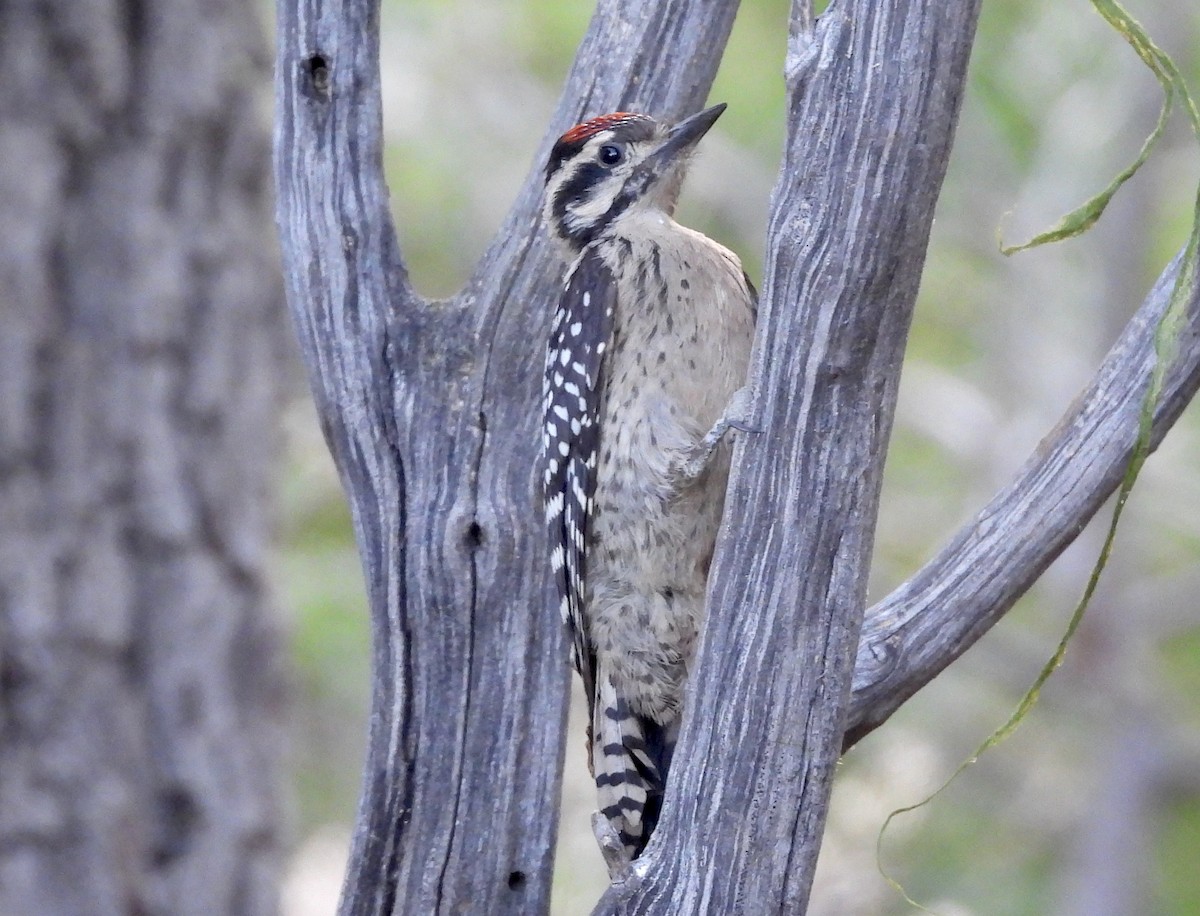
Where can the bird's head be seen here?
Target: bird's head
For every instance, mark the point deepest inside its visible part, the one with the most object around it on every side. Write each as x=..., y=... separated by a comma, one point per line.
x=613, y=165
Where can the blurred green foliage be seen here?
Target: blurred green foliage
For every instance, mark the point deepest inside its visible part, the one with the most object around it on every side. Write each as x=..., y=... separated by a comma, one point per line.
x=1178, y=879
x=999, y=348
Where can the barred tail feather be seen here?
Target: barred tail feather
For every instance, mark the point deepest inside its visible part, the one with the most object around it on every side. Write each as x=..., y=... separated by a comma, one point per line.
x=630, y=758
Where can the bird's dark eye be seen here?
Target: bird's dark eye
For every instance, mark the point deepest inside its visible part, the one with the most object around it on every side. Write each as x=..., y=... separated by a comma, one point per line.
x=611, y=155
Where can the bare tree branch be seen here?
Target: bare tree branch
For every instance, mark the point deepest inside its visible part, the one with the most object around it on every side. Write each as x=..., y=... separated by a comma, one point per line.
x=345, y=275
x=874, y=95
x=919, y=629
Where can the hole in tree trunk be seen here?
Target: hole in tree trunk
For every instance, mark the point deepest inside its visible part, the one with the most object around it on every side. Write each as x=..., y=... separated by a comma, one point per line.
x=316, y=71
x=474, y=539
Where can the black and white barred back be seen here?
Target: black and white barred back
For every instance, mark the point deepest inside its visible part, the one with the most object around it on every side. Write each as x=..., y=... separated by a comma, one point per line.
x=572, y=397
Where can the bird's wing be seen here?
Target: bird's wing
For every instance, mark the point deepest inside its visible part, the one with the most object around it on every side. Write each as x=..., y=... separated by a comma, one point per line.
x=572, y=402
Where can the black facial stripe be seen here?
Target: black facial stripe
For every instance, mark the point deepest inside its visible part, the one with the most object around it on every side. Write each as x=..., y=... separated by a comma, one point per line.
x=633, y=189
x=575, y=189
x=560, y=153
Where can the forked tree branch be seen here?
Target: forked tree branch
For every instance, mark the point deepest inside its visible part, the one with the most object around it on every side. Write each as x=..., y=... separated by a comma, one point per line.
x=430, y=411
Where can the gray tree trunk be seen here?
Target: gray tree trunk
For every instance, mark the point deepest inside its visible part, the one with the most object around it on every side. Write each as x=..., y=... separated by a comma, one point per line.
x=140, y=357
x=431, y=412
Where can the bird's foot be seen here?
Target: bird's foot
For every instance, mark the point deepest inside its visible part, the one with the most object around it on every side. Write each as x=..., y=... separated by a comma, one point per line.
x=616, y=857
x=736, y=416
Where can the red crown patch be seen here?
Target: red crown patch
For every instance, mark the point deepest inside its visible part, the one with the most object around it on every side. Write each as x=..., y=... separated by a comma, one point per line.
x=581, y=132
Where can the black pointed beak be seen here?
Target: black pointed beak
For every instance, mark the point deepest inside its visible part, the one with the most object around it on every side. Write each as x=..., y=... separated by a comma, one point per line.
x=686, y=134
x=659, y=164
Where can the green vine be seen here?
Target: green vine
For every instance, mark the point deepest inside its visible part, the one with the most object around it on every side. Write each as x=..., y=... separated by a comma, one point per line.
x=1166, y=339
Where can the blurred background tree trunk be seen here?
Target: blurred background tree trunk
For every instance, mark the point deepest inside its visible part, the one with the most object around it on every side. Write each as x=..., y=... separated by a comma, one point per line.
x=140, y=364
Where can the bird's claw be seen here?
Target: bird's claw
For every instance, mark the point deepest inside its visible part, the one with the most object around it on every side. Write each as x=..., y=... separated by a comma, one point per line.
x=736, y=416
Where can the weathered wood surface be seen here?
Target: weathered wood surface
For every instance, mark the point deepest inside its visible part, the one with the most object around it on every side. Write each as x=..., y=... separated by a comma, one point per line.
x=142, y=356
x=430, y=410
x=874, y=92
